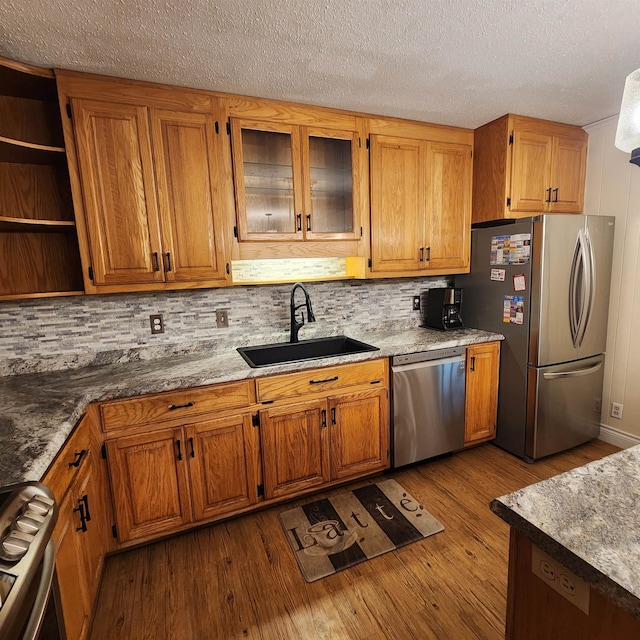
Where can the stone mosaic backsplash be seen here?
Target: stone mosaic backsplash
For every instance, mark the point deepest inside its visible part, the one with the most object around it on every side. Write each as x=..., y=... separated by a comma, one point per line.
x=60, y=333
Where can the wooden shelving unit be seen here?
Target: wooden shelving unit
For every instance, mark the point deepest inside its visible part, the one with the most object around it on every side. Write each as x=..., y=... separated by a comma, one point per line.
x=38, y=241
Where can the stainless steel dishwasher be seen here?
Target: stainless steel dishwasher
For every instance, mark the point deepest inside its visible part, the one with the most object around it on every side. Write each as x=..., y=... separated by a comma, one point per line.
x=428, y=404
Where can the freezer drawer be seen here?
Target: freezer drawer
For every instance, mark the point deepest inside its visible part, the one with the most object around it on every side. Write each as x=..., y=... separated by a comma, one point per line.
x=563, y=407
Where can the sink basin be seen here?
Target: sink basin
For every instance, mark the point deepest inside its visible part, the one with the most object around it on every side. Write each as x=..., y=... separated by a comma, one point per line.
x=284, y=352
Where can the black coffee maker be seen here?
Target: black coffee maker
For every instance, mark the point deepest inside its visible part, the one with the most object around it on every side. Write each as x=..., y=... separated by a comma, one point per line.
x=440, y=308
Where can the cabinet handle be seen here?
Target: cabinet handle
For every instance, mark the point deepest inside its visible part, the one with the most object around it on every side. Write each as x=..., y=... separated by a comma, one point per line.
x=375, y=382
x=321, y=381
x=548, y=195
x=309, y=222
x=555, y=197
x=168, y=255
x=324, y=417
x=428, y=254
x=85, y=501
x=156, y=263
x=192, y=453
x=473, y=364
x=333, y=415
x=77, y=458
x=299, y=221
x=83, y=521
x=421, y=254
x=179, y=449
x=173, y=407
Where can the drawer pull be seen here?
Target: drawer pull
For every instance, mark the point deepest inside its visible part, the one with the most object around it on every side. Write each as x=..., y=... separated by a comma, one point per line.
x=375, y=382
x=173, y=407
x=78, y=455
x=322, y=381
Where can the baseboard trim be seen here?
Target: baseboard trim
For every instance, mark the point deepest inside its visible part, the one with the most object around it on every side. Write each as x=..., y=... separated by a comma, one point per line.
x=621, y=439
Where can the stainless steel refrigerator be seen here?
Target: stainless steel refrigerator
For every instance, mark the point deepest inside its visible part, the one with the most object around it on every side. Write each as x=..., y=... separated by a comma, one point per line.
x=543, y=282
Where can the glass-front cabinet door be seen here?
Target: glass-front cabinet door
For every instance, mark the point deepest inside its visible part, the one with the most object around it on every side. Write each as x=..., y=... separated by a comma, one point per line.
x=329, y=161
x=294, y=182
x=267, y=179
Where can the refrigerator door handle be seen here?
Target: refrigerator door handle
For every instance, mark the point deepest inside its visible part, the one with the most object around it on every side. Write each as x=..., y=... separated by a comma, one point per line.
x=590, y=280
x=573, y=293
x=573, y=374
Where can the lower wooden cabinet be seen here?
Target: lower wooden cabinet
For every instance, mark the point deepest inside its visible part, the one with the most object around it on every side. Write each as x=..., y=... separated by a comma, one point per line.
x=309, y=444
x=481, y=402
x=167, y=478
x=81, y=533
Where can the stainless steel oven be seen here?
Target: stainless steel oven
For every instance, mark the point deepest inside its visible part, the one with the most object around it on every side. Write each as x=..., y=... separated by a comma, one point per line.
x=28, y=513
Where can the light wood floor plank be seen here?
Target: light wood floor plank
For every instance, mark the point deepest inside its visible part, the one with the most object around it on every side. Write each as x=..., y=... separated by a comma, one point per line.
x=238, y=579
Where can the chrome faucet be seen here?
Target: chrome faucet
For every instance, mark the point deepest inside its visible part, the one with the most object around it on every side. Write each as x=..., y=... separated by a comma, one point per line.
x=295, y=325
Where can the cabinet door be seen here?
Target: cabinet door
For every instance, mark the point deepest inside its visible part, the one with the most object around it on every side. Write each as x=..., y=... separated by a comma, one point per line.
x=149, y=483
x=331, y=184
x=71, y=580
x=530, y=172
x=449, y=169
x=222, y=455
x=481, y=404
x=114, y=155
x=568, y=167
x=268, y=180
x=295, y=453
x=359, y=433
x=185, y=156
x=397, y=204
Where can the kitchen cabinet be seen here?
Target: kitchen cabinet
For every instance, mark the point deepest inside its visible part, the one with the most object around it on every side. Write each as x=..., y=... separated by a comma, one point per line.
x=78, y=481
x=524, y=166
x=38, y=241
x=298, y=177
x=150, y=182
x=325, y=425
x=420, y=199
x=481, y=397
x=180, y=457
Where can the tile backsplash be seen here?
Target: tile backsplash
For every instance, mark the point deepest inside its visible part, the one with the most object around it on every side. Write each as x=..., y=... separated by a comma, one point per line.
x=77, y=331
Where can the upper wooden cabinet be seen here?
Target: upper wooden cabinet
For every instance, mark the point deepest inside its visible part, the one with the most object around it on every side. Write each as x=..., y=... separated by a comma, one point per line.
x=420, y=198
x=524, y=166
x=299, y=175
x=150, y=183
x=38, y=243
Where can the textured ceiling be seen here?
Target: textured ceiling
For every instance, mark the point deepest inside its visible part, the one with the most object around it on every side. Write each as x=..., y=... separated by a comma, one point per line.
x=458, y=62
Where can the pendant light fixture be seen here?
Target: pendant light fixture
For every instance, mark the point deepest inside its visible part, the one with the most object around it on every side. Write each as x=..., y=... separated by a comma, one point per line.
x=628, y=132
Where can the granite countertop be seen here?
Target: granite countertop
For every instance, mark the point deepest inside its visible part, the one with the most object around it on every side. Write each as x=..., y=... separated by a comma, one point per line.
x=38, y=411
x=588, y=519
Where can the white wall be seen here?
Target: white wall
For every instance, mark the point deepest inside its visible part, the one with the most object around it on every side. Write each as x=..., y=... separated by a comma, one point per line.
x=613, y=188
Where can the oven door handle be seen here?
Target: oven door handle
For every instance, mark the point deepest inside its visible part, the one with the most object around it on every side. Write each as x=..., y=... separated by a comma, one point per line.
x=42, y=596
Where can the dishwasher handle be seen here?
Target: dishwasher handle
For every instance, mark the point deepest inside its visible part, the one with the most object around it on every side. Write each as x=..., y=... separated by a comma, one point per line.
x=428, y=363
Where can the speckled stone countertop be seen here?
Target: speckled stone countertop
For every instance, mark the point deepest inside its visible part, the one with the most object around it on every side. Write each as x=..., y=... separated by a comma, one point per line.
x=39, y=410
x=588, y=519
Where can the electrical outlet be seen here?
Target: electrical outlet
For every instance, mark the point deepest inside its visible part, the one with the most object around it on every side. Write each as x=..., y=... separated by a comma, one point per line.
x=222, y=318
x=616, y=410
x=416, y=303
x=560, y=579
x=157, y=323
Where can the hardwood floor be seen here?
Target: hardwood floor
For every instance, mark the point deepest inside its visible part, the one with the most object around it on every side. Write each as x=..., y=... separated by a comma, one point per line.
x=238, y=579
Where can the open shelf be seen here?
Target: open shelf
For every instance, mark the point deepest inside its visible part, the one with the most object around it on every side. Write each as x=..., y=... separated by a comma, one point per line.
x=24, y=81
x=29, y=153
x=16, y=225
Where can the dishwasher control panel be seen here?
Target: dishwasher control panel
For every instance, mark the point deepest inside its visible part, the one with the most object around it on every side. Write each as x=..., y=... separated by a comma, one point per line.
x=425, y=356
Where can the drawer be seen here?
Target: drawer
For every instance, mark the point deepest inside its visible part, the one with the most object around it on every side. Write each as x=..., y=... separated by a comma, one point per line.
x=172, y=405
x=293, y=385
x=70, y=459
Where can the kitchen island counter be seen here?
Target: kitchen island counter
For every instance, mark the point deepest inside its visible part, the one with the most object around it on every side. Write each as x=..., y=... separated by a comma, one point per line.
x=38, y=411
x=588, y=520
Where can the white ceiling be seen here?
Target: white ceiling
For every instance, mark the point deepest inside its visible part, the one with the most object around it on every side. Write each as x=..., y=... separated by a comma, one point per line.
x=458, y=62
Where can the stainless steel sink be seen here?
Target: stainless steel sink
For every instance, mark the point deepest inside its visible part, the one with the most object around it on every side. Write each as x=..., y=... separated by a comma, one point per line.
x=284, y=352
